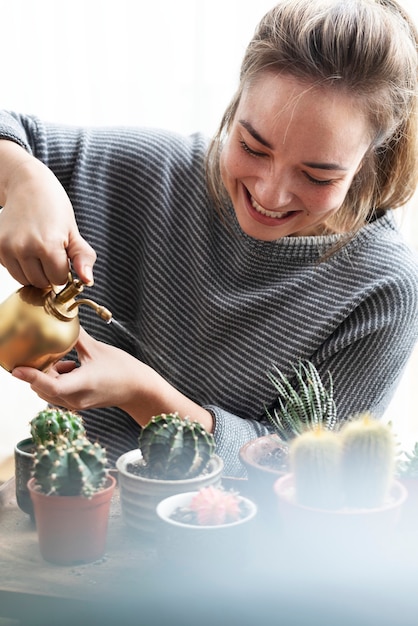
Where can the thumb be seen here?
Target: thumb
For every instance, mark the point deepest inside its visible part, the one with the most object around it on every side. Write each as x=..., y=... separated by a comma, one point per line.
x=82, y=257
x=85, y=345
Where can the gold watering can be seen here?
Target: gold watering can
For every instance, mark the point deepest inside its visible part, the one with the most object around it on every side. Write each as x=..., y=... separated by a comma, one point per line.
x=39, y=326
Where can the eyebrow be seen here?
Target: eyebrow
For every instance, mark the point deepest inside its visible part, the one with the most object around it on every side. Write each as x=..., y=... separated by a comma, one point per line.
x=325, y=166
x=318, y=166
x=250, y=128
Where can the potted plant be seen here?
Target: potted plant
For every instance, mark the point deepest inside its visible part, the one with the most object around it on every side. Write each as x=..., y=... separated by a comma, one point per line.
x=207, y=528
x=302, y=403
x=71, y=491
x=50, y=423
x=174, y=455
x=407, y=474
x=341, y=485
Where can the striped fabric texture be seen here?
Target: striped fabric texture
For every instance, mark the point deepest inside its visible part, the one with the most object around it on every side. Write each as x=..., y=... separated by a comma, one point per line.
x=211, y=309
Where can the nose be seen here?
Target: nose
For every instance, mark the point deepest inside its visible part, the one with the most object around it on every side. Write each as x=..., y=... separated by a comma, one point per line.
x=274, y=192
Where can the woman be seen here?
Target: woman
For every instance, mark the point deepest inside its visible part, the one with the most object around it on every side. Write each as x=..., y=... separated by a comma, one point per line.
x=287, y=249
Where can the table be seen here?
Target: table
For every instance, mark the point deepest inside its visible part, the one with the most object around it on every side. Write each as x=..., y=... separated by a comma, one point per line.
x=28, y=584
x=130, y=585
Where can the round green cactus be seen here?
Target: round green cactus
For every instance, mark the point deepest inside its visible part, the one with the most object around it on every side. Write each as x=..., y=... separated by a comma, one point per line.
x=70, y=468
x=173, y=448
x=53, y=423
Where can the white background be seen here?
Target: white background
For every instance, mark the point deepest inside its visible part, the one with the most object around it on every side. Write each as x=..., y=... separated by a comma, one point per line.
x=168, y=64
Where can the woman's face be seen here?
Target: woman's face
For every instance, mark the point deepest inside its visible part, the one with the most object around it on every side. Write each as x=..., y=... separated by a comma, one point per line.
x=290, y=156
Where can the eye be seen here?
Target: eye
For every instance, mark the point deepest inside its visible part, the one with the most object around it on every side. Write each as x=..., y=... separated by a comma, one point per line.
x=315, y=181
x=247, y=149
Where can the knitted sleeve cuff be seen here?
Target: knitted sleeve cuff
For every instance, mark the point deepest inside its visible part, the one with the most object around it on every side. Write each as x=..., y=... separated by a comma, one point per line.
x=231, y=432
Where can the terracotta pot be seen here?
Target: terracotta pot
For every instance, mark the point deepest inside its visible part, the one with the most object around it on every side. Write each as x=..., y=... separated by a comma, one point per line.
x=368, y=528
x=209, y=547
x=259, y=457
x=409, y=520
x=24, y=459
x=72, y=529
x=139, y=495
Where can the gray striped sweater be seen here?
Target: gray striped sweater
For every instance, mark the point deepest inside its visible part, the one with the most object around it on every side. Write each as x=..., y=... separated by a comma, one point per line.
x=210, y=308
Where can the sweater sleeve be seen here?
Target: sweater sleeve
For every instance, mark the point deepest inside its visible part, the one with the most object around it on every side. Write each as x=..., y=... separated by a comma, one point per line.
x=57, y=146
x=22, y=129
x=368, y=352
x=231, y=433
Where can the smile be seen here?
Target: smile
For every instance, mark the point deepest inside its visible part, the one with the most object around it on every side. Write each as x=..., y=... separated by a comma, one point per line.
x=274, y=214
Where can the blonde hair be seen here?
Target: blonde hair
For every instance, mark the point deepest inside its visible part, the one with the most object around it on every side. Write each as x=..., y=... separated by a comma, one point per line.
x=367, y=49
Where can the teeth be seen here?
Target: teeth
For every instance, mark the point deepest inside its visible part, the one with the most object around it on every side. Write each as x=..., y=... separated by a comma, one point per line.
x=263, y=211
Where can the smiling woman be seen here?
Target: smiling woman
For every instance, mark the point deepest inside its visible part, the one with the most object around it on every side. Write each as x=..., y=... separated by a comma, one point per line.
x=291, y=177
x=301, y=164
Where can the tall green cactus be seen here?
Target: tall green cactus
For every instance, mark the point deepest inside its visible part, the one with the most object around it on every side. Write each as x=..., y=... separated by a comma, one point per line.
x=314, y=458
x=70, y=468
x=53, y=423
x=302, y=403
x=368, y=461
x=174, y=448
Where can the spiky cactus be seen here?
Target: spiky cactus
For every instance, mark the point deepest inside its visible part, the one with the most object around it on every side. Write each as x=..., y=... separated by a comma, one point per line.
x=408, y=463
x=53, y=423
x=315, y=458
x=303, y=403
x=69, y=468
x=368, y=461
x=174, y=448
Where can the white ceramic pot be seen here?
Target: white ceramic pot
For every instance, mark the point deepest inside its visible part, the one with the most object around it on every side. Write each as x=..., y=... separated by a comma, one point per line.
x=204, y=547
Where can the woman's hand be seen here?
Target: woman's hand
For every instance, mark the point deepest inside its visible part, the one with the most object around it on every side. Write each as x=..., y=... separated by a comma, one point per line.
x=38, y=231
x=103, y=378
x=108, y=376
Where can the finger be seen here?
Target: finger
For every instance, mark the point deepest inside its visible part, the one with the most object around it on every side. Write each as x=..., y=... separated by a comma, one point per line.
x=55, y=266
x=50, y=261
x=63, y=367
x=84, y=338
x=35, y=377
x=37, y=270
x=83, y=257
x=34, y=273
x=85, y=344
x=35, y=276
x=51, y=387
x=15, y=271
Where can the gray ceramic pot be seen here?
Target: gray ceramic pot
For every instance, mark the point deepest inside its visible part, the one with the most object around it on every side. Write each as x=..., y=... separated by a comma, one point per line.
x=24, y=459
x=139, y=496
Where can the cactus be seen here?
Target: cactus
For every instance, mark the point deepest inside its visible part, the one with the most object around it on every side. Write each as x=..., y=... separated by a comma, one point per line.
x=302, y=406
x=353, y=467
x=368, y=461
x=70, y=468
x=53, y=423
x=174, y=448
x=408, y=463
x=213, y=506
x=314, y=458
